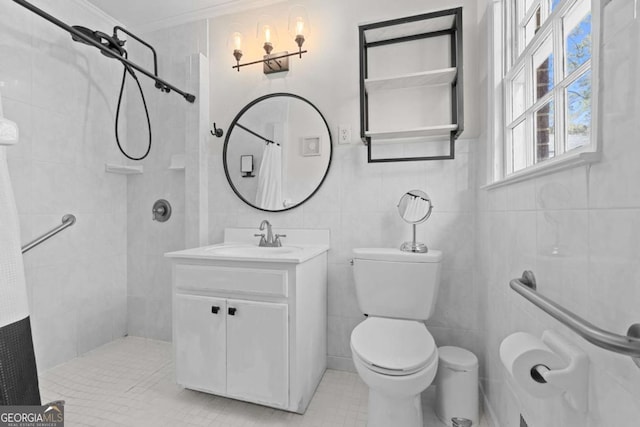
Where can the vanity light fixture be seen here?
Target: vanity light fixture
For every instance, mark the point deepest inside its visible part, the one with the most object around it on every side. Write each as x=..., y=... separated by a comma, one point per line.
x=236, y=40
x=267, y=33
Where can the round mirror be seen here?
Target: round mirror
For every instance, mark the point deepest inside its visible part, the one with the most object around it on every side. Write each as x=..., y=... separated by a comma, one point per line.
x=277, y=152
x=415, y=206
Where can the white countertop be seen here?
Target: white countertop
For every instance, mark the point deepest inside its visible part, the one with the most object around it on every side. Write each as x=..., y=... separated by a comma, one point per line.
x=241, y=245
x=254, y=253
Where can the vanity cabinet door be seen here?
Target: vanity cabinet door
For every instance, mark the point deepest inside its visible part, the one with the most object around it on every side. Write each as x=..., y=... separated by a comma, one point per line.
x=258, y=351
x=200, y=336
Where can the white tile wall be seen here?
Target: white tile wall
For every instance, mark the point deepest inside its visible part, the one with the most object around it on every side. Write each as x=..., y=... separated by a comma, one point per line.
x=357, y=202
x=149, y=273
x=62, y=94
x=578, y=231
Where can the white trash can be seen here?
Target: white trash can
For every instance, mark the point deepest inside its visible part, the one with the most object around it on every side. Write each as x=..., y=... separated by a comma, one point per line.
x=457, y=385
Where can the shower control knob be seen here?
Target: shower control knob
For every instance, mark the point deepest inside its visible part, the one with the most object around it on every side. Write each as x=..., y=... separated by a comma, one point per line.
x=161, y=210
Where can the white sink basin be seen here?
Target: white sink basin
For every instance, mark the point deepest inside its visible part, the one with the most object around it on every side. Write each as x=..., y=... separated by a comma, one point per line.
x=252, y=251
x=240, y=245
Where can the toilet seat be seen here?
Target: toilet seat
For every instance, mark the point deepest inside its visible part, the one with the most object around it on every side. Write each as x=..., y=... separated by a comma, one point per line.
x=393, y=346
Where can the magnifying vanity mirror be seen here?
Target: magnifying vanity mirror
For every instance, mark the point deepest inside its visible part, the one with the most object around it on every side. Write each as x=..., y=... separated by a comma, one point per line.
x=415, y=208
x=291, y=148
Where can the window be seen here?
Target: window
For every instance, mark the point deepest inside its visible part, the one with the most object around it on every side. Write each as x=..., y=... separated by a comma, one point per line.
x=548, y=100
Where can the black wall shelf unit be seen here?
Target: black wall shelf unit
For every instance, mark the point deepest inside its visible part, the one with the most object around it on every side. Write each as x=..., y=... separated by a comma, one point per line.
x=444, y=25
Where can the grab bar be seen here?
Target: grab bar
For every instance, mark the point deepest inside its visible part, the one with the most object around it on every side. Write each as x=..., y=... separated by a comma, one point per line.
x=624, y=344
x=67, y=221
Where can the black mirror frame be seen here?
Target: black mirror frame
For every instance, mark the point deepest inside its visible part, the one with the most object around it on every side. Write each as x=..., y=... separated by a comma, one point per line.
x=230, y=131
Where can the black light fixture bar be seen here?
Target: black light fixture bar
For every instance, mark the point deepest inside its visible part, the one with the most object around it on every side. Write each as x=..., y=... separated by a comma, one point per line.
x=88, y=40
x=269, y=59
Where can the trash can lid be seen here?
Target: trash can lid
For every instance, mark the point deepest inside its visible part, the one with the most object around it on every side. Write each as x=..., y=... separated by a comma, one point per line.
x=457, y=358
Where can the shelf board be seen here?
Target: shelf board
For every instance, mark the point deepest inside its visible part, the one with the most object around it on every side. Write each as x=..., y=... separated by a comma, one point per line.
x=177, y=162
x=443, y=130
x=408, y=29
x=122, y=169
x=425, y=78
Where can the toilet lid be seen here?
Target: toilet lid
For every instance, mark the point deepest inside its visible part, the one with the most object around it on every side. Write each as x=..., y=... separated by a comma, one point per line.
x=393, y=346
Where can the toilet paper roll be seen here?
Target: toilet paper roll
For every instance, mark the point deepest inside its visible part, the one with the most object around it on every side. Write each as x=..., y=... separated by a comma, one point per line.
x=520, y=352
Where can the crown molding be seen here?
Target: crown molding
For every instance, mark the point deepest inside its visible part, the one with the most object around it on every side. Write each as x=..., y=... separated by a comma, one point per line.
x=92, y=8
x=226, y=8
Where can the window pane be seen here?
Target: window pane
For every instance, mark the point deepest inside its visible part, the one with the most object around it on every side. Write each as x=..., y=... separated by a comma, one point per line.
x=532, y=27
x=578, y=98
x=543, y=66
x=518, y=95
x=554, y=4
x=527, y=4
x=577, y=34
x=518, y=138
x=545, y=128
x=523, y=7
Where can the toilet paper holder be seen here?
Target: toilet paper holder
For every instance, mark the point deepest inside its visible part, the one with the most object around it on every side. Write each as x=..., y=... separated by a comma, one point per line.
x=573, y=379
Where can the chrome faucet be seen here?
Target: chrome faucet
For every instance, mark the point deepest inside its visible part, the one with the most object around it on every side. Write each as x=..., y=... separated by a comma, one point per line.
x=270, y=241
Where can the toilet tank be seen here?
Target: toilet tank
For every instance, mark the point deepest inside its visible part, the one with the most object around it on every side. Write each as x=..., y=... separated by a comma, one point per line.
x=392, y=283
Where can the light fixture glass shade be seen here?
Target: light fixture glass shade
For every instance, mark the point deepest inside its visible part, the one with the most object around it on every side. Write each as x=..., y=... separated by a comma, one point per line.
x=298, y=24
x=234, y=42
x=236, y=39
x=267, y=33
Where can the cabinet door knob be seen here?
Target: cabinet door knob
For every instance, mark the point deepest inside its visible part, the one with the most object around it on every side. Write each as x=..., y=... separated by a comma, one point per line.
x=215, y=309
x=232, y=311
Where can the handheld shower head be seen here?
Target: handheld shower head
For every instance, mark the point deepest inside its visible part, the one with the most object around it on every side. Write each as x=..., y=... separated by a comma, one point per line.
x=113, y=43
x=85, y=31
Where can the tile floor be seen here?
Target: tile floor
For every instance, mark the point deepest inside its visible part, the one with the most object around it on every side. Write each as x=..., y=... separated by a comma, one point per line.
x=129, y=382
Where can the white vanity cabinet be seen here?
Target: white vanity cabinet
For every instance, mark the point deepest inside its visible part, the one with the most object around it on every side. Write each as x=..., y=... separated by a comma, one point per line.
x=233, y=347
x=199, y=337
x=251, y=329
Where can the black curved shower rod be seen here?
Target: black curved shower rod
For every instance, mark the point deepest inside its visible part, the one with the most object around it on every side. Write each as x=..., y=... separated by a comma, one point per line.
x=160, y=83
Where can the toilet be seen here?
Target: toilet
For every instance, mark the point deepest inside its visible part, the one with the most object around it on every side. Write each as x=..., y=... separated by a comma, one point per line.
x=393, y=352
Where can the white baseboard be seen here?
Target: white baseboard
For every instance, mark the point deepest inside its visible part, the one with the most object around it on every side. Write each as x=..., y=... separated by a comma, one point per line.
x=341, y=363
x=489, y=414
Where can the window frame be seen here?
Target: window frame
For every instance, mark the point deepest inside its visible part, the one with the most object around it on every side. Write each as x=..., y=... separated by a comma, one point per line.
x=508, y=63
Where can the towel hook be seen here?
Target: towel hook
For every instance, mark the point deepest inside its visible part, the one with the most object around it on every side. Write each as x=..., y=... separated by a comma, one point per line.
x=217, y=130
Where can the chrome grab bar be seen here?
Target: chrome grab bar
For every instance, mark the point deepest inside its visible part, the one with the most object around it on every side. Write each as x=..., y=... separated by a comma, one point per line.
x=624, y=344
x=67, y=221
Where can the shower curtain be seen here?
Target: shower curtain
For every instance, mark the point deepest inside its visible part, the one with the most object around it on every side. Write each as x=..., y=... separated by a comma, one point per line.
x=18, y=373
x=269, y=195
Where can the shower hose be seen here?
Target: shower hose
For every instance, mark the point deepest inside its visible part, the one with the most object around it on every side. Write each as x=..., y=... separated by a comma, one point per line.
x=128, y=70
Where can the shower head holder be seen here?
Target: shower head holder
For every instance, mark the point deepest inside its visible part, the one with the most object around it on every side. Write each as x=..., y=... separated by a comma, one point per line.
x=113, y=43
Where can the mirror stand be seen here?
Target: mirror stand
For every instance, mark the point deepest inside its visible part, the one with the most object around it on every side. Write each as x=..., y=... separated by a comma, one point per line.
x=414, y=246
x=415, y=208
